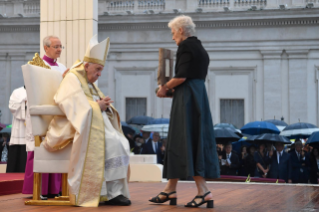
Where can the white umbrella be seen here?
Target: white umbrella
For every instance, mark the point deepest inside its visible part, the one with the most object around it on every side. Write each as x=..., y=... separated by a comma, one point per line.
x=161, y=128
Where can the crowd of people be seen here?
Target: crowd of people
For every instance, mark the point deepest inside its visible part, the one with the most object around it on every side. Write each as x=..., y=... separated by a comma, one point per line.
x=296, y=164
x=148, y=143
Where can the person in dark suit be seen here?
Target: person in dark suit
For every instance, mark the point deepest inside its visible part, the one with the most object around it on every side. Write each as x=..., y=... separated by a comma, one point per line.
x=229, y=162
x=146, y=136
x=154, y=147
x=280, y=164
x=314, y=164
x=300, y=164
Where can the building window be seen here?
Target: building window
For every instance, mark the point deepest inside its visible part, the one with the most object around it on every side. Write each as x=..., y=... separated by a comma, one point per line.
x=135, y=107
x=232, y=111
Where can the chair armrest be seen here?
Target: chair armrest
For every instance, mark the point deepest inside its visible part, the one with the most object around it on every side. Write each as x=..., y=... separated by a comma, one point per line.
x=45, y=110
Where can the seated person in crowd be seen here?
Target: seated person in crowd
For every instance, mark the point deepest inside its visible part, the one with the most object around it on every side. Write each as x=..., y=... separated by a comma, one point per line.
x=314, y=165
x=280, y=164
x=249, y=162
x=154, y=147
x=229, y=161
x=300, y=164
x=262, y=162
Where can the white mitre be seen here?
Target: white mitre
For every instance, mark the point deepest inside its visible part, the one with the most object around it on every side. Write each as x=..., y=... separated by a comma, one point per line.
x=97, y=52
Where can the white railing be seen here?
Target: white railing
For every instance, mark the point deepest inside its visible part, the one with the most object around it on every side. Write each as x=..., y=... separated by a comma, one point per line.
x=212, y=3
x=120, y=5
x=31, y=8
x=244, y=3
x=151, y=4
x=135, y=4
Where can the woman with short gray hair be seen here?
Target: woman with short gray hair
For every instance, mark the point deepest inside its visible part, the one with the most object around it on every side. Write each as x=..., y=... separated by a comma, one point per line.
x=191, y=146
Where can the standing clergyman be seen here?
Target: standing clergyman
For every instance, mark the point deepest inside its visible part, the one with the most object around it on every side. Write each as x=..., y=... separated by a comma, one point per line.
x=51, y=183
x=100, y=153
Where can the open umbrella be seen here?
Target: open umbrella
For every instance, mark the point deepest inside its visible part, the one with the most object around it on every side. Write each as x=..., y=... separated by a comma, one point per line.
x=313, y=139
x=259, y=127
x=2, y=126
x=244, y=141
x=127, y=129
x=225, y=125
x=279, y=124
x=140, y=120
x=159, y=121
x=224, y=135
x=271, y=138
x=161, y=128
x=299, y=130
x=6, y=130
x=229, y=127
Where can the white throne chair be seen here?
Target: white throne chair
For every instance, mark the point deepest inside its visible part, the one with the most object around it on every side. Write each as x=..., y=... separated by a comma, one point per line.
x=41, y=85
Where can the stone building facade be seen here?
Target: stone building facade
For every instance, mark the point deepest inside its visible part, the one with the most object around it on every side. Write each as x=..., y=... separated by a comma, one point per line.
x=264, y=61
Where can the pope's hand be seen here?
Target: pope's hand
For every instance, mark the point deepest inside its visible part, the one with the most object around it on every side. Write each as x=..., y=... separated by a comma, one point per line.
x=104, y=103
x=108, y=101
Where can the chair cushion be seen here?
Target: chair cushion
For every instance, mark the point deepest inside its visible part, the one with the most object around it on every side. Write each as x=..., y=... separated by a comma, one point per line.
x=51, y=162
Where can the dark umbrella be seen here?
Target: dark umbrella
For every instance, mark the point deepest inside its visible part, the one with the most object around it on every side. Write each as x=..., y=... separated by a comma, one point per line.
x=140, y=120
x=299, y=130
x=271, y=138
x=159, y=121
x=2, y=126
x=244, y=141
x=259, y=127
x=224, y=136
x=222, y=125
x=279, y=124
x=127, y=129
x=6, y=130
x=313, y=139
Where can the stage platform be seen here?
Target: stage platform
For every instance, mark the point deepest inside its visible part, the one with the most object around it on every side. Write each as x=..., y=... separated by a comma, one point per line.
x=227, y=197
x=11, y=183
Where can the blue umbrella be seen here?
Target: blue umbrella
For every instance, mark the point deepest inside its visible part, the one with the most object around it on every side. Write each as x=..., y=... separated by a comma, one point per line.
x=299, y=130
x=259, y=127
x=243, y=142
x=313, y=139
x=159, y=121
x=140, y=120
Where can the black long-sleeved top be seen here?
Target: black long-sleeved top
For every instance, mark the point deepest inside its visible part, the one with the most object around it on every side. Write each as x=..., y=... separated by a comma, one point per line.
x=192, y=60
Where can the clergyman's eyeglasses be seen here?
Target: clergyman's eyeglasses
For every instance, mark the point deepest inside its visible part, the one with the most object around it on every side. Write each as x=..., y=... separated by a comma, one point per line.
x=58, y=47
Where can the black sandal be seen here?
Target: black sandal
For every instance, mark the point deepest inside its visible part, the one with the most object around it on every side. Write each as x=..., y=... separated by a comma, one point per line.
x=193, y=204
x=173, y=201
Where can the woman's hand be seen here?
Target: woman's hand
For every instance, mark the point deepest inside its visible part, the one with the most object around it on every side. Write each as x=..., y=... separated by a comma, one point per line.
x=161, y=92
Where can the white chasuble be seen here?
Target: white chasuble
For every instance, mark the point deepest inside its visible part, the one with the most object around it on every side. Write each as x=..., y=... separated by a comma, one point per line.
x=17, y=106
x=100, y=152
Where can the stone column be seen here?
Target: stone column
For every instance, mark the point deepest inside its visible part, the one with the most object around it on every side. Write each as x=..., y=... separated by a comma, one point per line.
x=5, y=88
x=297, y=85
x=73, y=21
x=272, y=84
